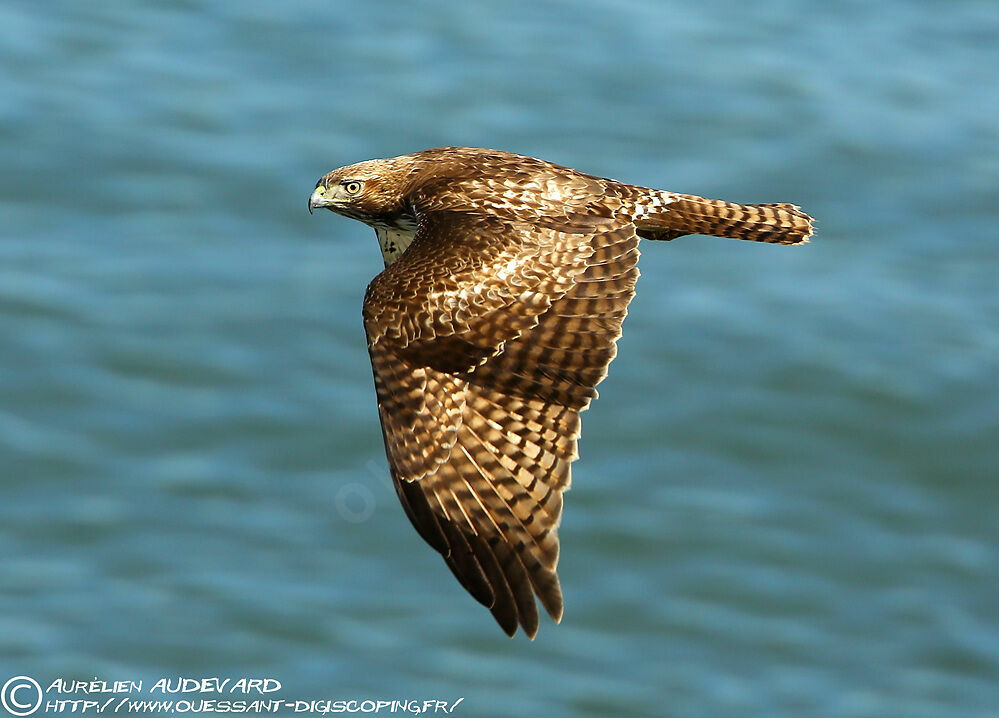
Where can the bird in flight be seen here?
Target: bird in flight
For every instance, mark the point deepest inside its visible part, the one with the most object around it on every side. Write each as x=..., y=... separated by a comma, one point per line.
x=506, y=282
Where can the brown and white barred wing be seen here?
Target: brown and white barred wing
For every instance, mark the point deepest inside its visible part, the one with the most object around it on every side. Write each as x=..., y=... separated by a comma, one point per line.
x=522, y=360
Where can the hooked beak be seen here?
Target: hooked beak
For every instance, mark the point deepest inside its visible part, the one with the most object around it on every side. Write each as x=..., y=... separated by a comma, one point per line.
x=318, y=200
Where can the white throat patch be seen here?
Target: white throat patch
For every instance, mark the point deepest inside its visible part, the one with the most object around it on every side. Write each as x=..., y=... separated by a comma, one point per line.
x=393, y=241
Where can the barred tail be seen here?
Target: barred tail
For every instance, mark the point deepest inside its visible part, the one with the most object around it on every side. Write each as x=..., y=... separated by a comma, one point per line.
x=687, y=214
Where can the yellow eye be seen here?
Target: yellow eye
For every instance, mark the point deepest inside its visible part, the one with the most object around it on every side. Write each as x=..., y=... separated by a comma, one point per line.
x=352, y=187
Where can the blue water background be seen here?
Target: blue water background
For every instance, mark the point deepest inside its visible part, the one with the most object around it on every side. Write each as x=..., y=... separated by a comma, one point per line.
x=787, y=499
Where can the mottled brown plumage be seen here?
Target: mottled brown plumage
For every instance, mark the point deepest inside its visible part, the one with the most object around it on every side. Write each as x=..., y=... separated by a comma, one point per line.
x=506, y=282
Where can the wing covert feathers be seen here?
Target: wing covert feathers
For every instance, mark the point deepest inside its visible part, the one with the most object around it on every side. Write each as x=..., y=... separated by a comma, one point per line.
x=480, y=442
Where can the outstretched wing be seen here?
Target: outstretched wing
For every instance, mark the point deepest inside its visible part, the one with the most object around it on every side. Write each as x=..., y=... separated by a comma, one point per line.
x=487, y=338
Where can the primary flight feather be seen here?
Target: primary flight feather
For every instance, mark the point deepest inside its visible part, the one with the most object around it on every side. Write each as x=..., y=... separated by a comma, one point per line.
x=506, y=282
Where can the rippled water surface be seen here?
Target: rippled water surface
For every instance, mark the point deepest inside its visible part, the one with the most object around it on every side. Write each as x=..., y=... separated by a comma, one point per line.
x=786, y=503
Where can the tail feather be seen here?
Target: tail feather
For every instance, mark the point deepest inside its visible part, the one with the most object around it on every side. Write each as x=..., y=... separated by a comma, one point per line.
x=687, y=214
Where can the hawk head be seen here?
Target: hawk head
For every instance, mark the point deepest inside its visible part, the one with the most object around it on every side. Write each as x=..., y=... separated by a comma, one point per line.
x=371, y=192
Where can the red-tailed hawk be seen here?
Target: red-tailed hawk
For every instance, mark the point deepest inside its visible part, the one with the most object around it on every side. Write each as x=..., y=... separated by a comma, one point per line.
x=506, y=282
